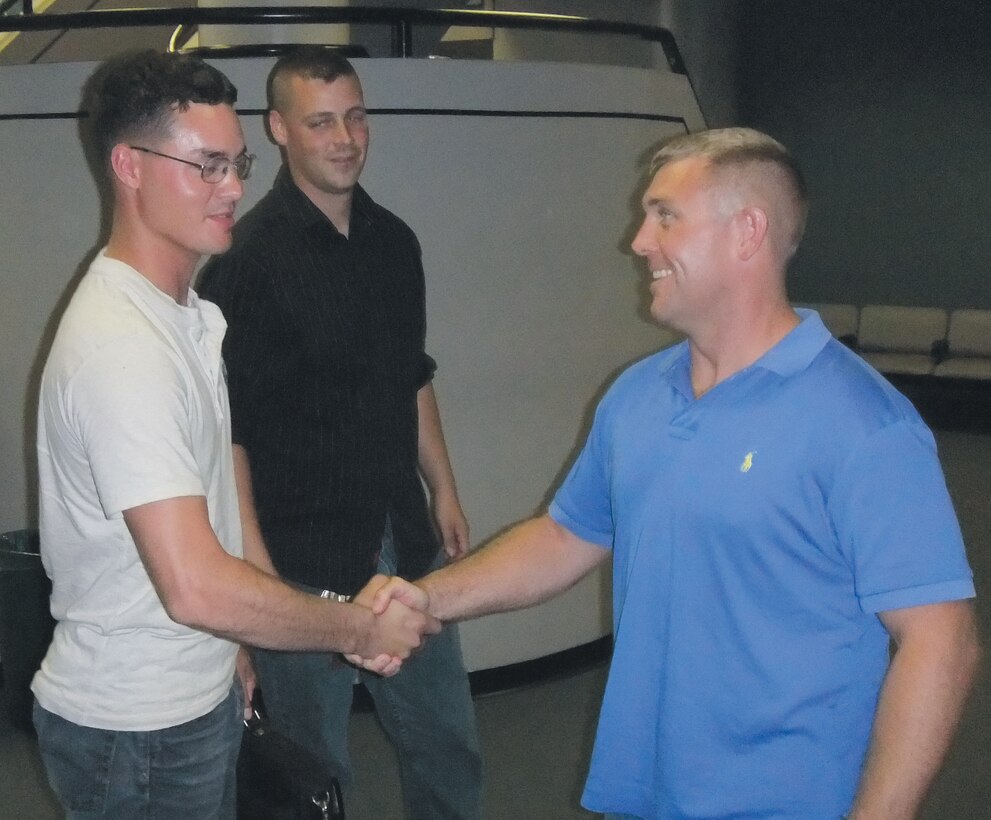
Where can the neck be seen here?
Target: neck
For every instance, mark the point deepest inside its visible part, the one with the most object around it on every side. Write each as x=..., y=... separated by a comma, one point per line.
x=167, y=266
x=737, y=343
x=336, y=205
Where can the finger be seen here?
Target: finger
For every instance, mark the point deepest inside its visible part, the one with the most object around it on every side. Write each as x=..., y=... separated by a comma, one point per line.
x=392, y=668
x=248, y=692
x=369, y=590
x=395, y=589
x=460, y=541
x=382, y=664
x=365, y=663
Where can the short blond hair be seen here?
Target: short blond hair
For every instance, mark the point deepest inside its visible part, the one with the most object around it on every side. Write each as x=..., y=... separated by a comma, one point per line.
x=746, y=161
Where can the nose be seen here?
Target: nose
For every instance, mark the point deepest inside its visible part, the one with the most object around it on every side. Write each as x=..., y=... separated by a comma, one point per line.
x=644, y=242
x=342, y=133
x=231, y=187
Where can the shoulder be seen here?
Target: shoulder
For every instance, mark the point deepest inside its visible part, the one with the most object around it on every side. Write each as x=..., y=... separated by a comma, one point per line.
x=644, y=383
x=96, y=376
x=652, y=369
x=262, y=228
x=258, y=235
x=100, y=319
x=846, y=385
x=254, y=227
x=381, y=218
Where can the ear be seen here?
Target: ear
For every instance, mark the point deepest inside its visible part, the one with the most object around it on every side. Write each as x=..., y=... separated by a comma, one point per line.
x=752, y=225
x=277, y=127
x=125, y=165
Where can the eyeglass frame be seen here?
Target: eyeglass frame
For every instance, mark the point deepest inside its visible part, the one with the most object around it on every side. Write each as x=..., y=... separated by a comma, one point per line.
x=245, y=159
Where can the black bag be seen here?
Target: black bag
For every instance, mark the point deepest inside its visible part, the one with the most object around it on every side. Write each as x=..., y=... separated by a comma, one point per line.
x=277, y=779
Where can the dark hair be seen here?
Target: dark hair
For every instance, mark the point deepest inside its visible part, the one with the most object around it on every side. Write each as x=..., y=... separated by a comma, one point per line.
x=134, y=96
x=312, y=62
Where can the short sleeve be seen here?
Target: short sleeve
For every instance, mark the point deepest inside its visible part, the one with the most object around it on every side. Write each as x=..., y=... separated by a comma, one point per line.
x=428, y=367
x=131, y=414
x=895, y=522
x=582, y=505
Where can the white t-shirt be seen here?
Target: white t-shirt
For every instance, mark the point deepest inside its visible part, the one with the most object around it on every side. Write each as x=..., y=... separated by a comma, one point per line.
x=133, y=409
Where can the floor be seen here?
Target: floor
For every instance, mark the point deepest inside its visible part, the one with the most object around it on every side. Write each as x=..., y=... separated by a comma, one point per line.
x=536, y=740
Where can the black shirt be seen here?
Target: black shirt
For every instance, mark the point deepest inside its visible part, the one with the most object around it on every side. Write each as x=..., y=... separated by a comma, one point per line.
x=325, y=355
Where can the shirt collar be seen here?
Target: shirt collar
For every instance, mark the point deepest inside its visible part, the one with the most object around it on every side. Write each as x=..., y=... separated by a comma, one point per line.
x=791, y=355
x=796, y=351
x=309, y=214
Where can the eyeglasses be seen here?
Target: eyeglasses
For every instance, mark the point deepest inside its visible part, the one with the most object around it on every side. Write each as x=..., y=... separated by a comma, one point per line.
x=215, y=168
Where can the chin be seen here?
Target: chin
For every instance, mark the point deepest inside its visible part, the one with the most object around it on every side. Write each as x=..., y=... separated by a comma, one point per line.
x=666, y=318
x=659, y=313
x=218, y=245
x=338, y=187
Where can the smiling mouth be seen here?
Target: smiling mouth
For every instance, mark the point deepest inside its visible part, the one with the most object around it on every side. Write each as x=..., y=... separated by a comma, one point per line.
x=661, y=273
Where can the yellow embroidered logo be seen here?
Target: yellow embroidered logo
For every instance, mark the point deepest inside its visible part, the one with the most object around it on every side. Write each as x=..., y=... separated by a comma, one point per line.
x=748, y=461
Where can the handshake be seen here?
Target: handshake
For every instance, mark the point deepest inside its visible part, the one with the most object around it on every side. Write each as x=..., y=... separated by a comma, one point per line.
x=400, y=624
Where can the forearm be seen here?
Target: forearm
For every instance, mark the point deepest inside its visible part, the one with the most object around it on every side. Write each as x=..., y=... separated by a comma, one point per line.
x=434, y=461
x=435, y=466
x=202, y=586
x=255, y=550
x=245, y=604
x=921, y=701
x=530, y=563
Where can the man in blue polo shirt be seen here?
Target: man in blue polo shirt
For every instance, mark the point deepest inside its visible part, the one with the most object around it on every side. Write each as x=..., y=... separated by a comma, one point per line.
x=775, y=513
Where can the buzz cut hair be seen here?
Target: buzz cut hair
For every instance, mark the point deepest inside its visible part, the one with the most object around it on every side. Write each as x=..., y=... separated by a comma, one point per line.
x=312, y=62
x=745, y=159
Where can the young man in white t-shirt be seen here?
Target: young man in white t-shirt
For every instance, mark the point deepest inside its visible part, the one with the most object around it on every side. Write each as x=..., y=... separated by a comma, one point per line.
x=141, y=532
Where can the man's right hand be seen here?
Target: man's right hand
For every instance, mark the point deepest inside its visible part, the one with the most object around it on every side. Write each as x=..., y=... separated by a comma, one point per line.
x=398, y=630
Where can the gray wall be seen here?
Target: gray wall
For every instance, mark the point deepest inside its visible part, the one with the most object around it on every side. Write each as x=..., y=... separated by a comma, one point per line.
x=887, y=107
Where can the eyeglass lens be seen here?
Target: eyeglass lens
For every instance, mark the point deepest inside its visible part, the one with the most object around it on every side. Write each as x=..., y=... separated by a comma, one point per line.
x=215, y=169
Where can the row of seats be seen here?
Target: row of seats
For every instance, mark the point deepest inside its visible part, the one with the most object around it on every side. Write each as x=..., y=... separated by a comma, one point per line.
x=915, y=341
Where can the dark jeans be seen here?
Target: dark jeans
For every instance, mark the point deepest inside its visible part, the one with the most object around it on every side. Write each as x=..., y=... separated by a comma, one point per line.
x=184, y=772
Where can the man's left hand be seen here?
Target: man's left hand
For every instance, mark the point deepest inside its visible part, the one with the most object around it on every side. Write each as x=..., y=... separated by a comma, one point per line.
x=452, y=525
x=246, y=675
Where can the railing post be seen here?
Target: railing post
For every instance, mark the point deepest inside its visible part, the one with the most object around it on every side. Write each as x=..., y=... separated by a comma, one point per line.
x=402, y=38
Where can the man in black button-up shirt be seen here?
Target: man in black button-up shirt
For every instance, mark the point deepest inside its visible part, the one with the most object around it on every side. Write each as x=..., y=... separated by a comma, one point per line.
x=334, y=421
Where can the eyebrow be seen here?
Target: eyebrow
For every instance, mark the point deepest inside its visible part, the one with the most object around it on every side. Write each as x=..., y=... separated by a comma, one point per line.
x=318, y=114
x=210, y=153
x=656, y=202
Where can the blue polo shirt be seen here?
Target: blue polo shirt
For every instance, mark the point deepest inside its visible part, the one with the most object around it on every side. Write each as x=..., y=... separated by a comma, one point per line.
x=756, y=532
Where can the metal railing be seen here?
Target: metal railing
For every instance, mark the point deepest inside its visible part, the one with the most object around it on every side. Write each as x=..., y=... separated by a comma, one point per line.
x=15, y=7
x=401, y=22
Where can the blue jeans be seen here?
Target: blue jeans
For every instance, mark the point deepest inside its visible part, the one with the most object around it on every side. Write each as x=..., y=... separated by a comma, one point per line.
x=426, y=711
x=185, y=772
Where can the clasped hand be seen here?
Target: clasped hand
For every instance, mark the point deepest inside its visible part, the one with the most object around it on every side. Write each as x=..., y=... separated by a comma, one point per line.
x=401, y=624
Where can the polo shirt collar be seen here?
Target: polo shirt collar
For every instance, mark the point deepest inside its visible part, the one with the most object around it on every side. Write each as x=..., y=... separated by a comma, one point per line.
x=309, y=215
x=796, y=351
x=791, y=355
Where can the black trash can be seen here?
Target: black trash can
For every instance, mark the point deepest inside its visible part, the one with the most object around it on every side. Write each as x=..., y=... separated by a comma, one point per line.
x=26, y=623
